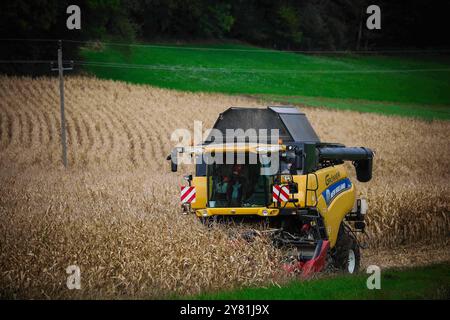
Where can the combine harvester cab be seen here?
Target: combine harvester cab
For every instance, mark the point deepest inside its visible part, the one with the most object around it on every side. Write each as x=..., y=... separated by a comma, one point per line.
x=270, y=164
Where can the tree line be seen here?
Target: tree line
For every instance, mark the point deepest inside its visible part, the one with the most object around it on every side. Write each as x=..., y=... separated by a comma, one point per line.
x=282, y=24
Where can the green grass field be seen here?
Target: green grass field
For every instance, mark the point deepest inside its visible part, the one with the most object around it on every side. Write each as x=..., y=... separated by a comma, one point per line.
x=363, y=83
x=430, y=282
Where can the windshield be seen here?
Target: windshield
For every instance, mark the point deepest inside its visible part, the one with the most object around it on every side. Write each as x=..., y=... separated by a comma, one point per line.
x=238, y=185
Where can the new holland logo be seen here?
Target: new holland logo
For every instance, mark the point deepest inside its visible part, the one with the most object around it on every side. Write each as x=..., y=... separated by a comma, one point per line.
x=332, y=191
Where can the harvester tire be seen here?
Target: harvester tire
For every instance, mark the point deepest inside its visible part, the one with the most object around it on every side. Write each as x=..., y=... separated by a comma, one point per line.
x=346, y=257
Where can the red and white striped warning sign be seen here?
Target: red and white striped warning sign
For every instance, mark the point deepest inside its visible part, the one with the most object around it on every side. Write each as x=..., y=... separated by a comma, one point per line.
x=187, y=194
x=280, y=193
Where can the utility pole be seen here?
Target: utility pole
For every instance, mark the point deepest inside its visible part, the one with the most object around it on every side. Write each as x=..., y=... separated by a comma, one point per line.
x=61, y=70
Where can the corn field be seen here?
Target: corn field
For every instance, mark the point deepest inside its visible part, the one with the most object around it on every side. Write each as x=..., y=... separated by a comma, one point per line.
x=115, y=213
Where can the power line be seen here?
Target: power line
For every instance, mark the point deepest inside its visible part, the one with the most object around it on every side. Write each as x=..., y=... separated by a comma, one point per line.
x=253, y=71
x=28, y=40
x=25, y=61
x=223, y=70
x=256, y=50
x=259, y=50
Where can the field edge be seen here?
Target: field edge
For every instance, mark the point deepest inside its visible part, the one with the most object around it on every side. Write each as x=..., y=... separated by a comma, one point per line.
x=419, y=282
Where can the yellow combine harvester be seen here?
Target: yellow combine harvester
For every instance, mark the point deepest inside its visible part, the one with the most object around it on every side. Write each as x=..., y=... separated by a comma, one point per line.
x=269, y=164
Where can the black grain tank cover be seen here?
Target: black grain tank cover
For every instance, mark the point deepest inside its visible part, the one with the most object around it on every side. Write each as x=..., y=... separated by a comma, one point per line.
x=293, y=125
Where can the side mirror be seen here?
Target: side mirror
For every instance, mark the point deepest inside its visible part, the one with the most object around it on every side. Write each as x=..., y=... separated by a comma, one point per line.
x=173, y=166
x=172, y=157
x=363, y=169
